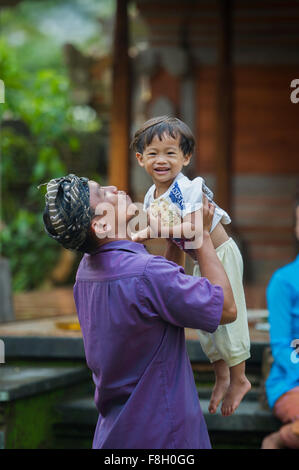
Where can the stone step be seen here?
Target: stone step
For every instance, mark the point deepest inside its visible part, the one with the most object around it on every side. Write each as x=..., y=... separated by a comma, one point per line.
x=204, y=393
x=249, y=417
x=23, y=381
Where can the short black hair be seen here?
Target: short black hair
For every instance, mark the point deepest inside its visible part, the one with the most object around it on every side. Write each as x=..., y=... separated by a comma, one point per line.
x=164, y=125
x=91, y=241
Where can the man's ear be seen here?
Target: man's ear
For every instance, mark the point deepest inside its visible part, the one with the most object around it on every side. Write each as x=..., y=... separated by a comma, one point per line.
x=139, y=157
x=101, y=227
x=187, y=159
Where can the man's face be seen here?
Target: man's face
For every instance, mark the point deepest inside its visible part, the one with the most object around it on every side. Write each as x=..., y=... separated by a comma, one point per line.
x=105, y=194
x=113, y=208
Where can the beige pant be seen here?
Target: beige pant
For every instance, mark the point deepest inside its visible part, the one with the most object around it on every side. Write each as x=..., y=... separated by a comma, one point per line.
x=229, y=342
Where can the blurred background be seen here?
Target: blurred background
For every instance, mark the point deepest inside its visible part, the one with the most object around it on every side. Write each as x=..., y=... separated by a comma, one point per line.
x=81, y=76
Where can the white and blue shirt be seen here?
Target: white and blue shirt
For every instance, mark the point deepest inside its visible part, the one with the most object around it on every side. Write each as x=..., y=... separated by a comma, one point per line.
x=186, y=194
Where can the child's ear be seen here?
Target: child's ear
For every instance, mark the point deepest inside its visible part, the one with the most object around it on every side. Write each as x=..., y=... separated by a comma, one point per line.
x=139, y=157
x=187, y=159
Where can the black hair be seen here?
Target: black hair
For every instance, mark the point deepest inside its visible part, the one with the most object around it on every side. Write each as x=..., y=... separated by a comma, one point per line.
x=164, y=125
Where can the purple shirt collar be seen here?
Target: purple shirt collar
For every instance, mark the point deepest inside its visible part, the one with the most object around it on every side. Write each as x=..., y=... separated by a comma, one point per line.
x=126, y=245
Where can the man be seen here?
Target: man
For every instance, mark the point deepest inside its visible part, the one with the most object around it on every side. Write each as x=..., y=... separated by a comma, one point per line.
x=132, y=308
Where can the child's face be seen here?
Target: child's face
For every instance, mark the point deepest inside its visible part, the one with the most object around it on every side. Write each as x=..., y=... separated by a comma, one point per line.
x=163, y=159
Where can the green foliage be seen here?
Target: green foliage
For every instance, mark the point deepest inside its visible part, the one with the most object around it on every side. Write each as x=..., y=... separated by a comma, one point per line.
x=43, y=134
x=30, y=156
x=30, y=251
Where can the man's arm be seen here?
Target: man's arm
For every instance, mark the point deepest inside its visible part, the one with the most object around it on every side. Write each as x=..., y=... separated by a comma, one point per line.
x=210, y=265
x=212, y=269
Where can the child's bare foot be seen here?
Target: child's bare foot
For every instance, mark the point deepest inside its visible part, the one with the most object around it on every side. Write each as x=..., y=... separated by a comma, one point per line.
x=237, y=389
x=219, y=391
x=221, y=384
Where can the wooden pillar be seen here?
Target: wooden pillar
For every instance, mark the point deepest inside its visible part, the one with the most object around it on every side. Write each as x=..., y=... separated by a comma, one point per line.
x=224, y=165
x=118, y=168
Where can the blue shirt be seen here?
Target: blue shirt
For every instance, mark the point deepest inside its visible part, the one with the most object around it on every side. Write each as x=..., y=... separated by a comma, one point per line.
x=132, y=308
x=283, y=306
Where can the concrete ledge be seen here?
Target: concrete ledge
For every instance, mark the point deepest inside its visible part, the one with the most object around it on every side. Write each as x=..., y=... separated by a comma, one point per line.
x=19, y=382
x=248, y=417
x=72, y=348
x=43, y=347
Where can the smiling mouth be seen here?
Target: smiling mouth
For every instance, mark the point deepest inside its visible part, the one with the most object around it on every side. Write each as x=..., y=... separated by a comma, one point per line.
x=161, y=170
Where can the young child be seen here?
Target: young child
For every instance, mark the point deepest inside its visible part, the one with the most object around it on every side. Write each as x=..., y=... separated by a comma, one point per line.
x=163, y=146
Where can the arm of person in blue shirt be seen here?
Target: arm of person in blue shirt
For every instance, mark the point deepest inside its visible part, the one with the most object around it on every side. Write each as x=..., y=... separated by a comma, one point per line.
x=279, y=299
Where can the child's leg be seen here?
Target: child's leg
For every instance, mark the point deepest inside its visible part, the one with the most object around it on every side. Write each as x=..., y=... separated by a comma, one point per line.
x=238, y=387
x=232, y=340
x=221, y=369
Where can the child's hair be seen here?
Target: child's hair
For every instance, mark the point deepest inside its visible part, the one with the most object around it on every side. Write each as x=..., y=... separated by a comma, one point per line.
x=163, y=125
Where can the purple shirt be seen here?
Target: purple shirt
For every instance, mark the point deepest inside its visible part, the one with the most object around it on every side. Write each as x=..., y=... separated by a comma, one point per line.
x=132, y=308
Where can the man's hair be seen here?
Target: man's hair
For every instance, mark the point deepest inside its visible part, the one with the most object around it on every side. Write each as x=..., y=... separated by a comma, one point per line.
x=91, y=242
x=158, y=126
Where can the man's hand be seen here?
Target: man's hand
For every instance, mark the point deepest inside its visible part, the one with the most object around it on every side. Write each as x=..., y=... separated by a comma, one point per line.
x=207, y=215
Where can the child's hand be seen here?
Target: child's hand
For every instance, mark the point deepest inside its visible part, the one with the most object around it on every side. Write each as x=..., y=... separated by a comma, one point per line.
x=156, y=229
x=208, y=214
x=148, y=232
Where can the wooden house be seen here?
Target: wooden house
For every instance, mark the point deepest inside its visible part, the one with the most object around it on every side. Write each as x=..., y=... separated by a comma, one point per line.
x=229, y=70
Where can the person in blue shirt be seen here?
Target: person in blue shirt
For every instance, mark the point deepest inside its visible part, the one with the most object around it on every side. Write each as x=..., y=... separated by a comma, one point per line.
x=282, y=385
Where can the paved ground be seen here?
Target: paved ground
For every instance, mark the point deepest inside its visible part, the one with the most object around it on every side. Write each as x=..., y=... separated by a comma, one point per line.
x=67, y=326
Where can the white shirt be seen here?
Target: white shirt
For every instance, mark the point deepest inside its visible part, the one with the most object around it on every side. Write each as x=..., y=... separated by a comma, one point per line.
x=185, y=195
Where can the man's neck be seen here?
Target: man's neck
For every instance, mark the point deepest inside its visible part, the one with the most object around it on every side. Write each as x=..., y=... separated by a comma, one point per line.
x=115, y=239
